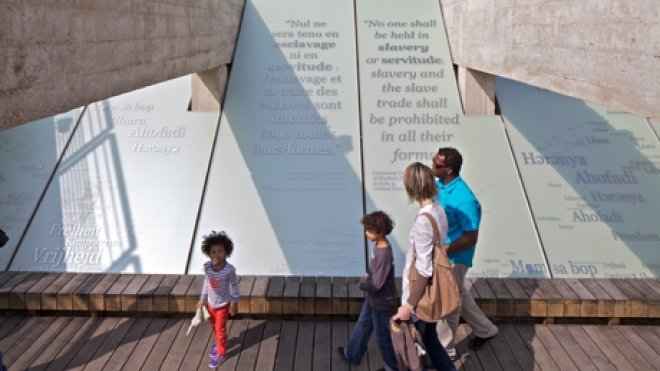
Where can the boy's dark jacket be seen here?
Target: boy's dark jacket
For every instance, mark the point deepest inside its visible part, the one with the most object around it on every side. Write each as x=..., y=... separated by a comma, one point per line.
x=380, y=287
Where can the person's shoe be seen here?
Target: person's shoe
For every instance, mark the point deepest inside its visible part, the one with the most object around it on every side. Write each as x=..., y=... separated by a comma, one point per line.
x=216, y=361
x=477, y=343
x=342, y=353
x=214, y=351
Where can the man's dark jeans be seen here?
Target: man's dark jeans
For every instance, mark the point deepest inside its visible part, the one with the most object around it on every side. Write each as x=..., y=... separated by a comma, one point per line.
x=371, y=320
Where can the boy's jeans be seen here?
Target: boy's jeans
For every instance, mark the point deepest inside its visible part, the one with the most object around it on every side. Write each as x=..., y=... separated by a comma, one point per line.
x=370, y=320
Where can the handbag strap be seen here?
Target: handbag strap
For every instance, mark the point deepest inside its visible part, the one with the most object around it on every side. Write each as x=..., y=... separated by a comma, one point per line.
x=436, y=232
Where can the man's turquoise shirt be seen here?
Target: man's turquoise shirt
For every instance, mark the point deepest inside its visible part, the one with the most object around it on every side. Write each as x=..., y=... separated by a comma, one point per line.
x=463, y=215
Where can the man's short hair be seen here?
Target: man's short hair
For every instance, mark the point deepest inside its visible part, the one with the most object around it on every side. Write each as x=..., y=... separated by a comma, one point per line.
x=452, y=158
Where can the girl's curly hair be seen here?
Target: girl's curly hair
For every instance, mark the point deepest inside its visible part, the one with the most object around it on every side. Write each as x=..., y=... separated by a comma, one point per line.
x=217, y=238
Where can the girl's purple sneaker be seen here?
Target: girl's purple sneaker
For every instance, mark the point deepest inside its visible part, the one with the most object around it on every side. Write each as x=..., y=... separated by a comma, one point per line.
x=214, y=351
x=216, y=360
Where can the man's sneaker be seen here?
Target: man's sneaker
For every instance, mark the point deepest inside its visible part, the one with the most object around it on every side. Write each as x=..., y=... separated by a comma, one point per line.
x=214, y=351
x=342, y=353
x=476, y=343
x=216, y=361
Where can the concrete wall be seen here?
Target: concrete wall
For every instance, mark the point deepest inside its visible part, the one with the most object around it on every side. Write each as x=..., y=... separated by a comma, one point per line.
x=57, y=55
x=603, y=51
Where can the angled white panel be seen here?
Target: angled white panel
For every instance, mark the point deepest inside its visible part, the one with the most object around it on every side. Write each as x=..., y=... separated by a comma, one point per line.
x=28, y=155
x=592, y=175
x=410, y=108
x=655, y=125
x=126, y=195
x=285, y=180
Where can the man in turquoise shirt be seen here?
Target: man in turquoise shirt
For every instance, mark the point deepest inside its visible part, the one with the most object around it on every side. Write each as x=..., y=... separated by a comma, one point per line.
x=463, y=216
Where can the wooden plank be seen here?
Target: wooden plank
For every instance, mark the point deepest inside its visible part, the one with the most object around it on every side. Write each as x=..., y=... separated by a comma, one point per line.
x=504, y=302
x=323, y=299
x=80, y=298
x=179, y=347
x=552, y=345
x=649, y=353
x=571, y=300
x=340, y=295
x=572, y=347
x=339, y=339
x=6, y=276
x=113, y=295
x=193, y=293
x=375, y=360
x=145, y=296
x=163, y=345
x=49, y=295
x=304, y=346
x=17, y=295
x=274, y=294
x=147, y=342
x=538, y=304
x=268, y=347
x=86, y=353
x=520, y=350
x=487, y=357
x=33, y=343
x=286, y=347
x=199, y=347
x=64, y=300
x=620, y=303
x=322, y=340
x=605, y=304
x=49, y=354
x=33, y=295
x=307, y=294
x=588, y=302
x=651, y=288
x=606, y=346
x=626, y=348
x=129, y=298
x=592, y=349
x=237, y=335
x=355, y=296
x=637, y=300
x=75, y=343
x=96, y=298
x=554, y=298
x=487, y=298
x=290, y=295
x=536, y=347
x=521, y=300
x=398, y=283
x=503, y=353
x=15, y=330
x=465, y=359
x=177, y=300
x=110, y=343
x=8, y=285
x=129, y=342
x=250, y=348
x=245, y=285
x=258, y=295
x=161, y=297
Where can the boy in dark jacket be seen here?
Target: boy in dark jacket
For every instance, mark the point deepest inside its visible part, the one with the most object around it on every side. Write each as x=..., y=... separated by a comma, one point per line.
x=381, y=295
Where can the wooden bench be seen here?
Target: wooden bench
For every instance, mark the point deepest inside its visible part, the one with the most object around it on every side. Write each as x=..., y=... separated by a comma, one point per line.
x=97, y=293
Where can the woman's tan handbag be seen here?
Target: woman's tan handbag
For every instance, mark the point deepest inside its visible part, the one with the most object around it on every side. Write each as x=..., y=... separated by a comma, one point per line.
x=441, y=297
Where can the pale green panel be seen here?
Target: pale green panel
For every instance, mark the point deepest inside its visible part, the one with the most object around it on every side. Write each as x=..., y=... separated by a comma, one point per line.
x=656, y=128
x=126, y=195
x=285, y=180
x=28, y=155
x=395, y=137
x=592, y=175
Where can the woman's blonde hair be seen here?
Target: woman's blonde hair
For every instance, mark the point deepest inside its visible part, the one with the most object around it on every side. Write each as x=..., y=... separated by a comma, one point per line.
x=419, y=182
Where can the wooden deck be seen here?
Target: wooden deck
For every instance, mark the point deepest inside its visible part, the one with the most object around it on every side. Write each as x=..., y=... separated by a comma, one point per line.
x=116, y=343
x=130, y=294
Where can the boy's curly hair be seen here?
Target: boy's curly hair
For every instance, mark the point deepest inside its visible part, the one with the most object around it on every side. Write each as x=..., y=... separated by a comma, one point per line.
x=378, y=222
x=217, y=238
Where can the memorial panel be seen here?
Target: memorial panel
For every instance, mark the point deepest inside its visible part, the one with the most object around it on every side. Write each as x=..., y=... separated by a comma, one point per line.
x=126, y=194
x=28, y=155
x=410, y=108
x=592, y=176
x=285, y=180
